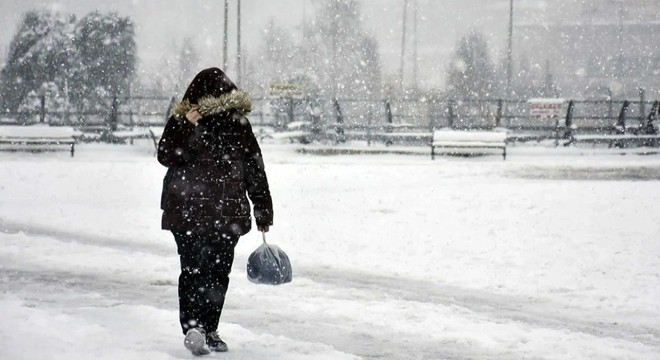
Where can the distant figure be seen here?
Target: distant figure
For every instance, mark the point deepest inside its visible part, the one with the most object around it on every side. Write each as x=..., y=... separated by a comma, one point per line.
x=213, y=159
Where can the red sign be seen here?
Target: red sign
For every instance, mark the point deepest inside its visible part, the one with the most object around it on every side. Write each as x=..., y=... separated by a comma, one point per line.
x=546, y=108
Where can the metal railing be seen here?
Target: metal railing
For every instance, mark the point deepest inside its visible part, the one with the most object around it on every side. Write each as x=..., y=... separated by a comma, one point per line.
x=357, y=117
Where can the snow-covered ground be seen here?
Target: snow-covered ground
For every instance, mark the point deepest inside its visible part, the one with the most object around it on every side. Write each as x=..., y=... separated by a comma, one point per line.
x=395, y=257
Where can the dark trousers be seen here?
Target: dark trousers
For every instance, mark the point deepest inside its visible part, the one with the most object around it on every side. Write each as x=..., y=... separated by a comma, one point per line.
x=205, y=266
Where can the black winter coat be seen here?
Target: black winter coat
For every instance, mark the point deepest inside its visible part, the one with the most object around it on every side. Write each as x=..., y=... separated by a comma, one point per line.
x=211, y=167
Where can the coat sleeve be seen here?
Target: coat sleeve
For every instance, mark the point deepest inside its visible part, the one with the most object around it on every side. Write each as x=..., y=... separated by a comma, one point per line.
x=256, y=180
x=174, y=146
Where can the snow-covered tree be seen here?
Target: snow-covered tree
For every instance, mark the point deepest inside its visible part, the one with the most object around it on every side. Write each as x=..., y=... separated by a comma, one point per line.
x=39, y=53
x=55, y=104
x=79, y=61
x=105, y=58
x=471, y=73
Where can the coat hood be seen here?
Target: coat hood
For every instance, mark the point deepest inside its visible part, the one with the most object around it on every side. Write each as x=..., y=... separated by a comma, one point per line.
x=208, y=82
x=213, y=92
x=237, y=100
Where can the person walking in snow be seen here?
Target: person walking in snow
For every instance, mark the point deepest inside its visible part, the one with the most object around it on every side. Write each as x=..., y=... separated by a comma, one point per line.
x=213, y=160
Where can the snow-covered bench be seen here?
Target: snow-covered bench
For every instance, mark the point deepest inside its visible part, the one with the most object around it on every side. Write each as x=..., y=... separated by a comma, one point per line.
x=38, y=138
x=131, y=134
x=390, y=138
x=301, y=136
x=299, y=131
x=454, y=140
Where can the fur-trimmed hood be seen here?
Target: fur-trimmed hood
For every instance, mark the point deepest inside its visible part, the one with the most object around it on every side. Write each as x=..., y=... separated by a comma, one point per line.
x=237, y=100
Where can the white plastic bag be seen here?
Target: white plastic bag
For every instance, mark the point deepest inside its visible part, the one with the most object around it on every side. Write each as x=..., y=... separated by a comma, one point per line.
x=269, y=265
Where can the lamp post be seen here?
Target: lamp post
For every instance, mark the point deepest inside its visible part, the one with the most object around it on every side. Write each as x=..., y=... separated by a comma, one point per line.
x=403, y=44
x=620, y=61
x=509, y=62
x=415, y=56
x=225, y=62
x=238, y=43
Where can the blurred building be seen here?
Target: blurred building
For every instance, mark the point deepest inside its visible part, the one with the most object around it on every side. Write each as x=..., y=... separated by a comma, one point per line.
x=591, y=49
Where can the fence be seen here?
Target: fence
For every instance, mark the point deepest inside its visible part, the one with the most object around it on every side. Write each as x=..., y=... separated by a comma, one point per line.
x=359, y=118
x=109, y=112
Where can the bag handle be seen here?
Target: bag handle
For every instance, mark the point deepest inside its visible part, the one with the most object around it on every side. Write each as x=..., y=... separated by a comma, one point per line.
x=263, y=235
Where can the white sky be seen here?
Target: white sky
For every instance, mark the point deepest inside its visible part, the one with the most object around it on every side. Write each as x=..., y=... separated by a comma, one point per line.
x=162, y=23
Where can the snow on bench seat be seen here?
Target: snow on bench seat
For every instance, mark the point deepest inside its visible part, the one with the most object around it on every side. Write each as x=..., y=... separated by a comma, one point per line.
x=415, y=135
x=37, y=137
x=37, y=132
x=130, y=135
x=389, y=138
x=456, y=139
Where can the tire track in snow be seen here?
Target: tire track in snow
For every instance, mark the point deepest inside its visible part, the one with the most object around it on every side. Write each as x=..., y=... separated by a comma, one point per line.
x=34, y=230
x=533, y=311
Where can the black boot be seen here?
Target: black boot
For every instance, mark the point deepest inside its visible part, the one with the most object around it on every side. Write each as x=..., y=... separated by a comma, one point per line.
x=215, y=343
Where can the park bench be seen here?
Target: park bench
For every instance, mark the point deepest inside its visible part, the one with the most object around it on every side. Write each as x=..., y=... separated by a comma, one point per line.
x=300, y=136
x=296, y=131
x=615, y=140
x=620, y=135
x=130, y=135
x=37, y=138
x=156, y=133
x=390, y=138
x=454, y=140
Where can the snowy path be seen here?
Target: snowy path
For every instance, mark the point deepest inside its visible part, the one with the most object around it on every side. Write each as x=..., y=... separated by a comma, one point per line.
x=399, y=300
x=477, y=289
x=138, y=313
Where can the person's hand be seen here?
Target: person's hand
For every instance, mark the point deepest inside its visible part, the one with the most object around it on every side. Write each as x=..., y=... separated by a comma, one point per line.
x=193, y=115
x=263, y=228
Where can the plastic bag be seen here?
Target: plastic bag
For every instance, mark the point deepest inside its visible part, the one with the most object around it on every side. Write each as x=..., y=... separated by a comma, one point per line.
x=269, y=265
